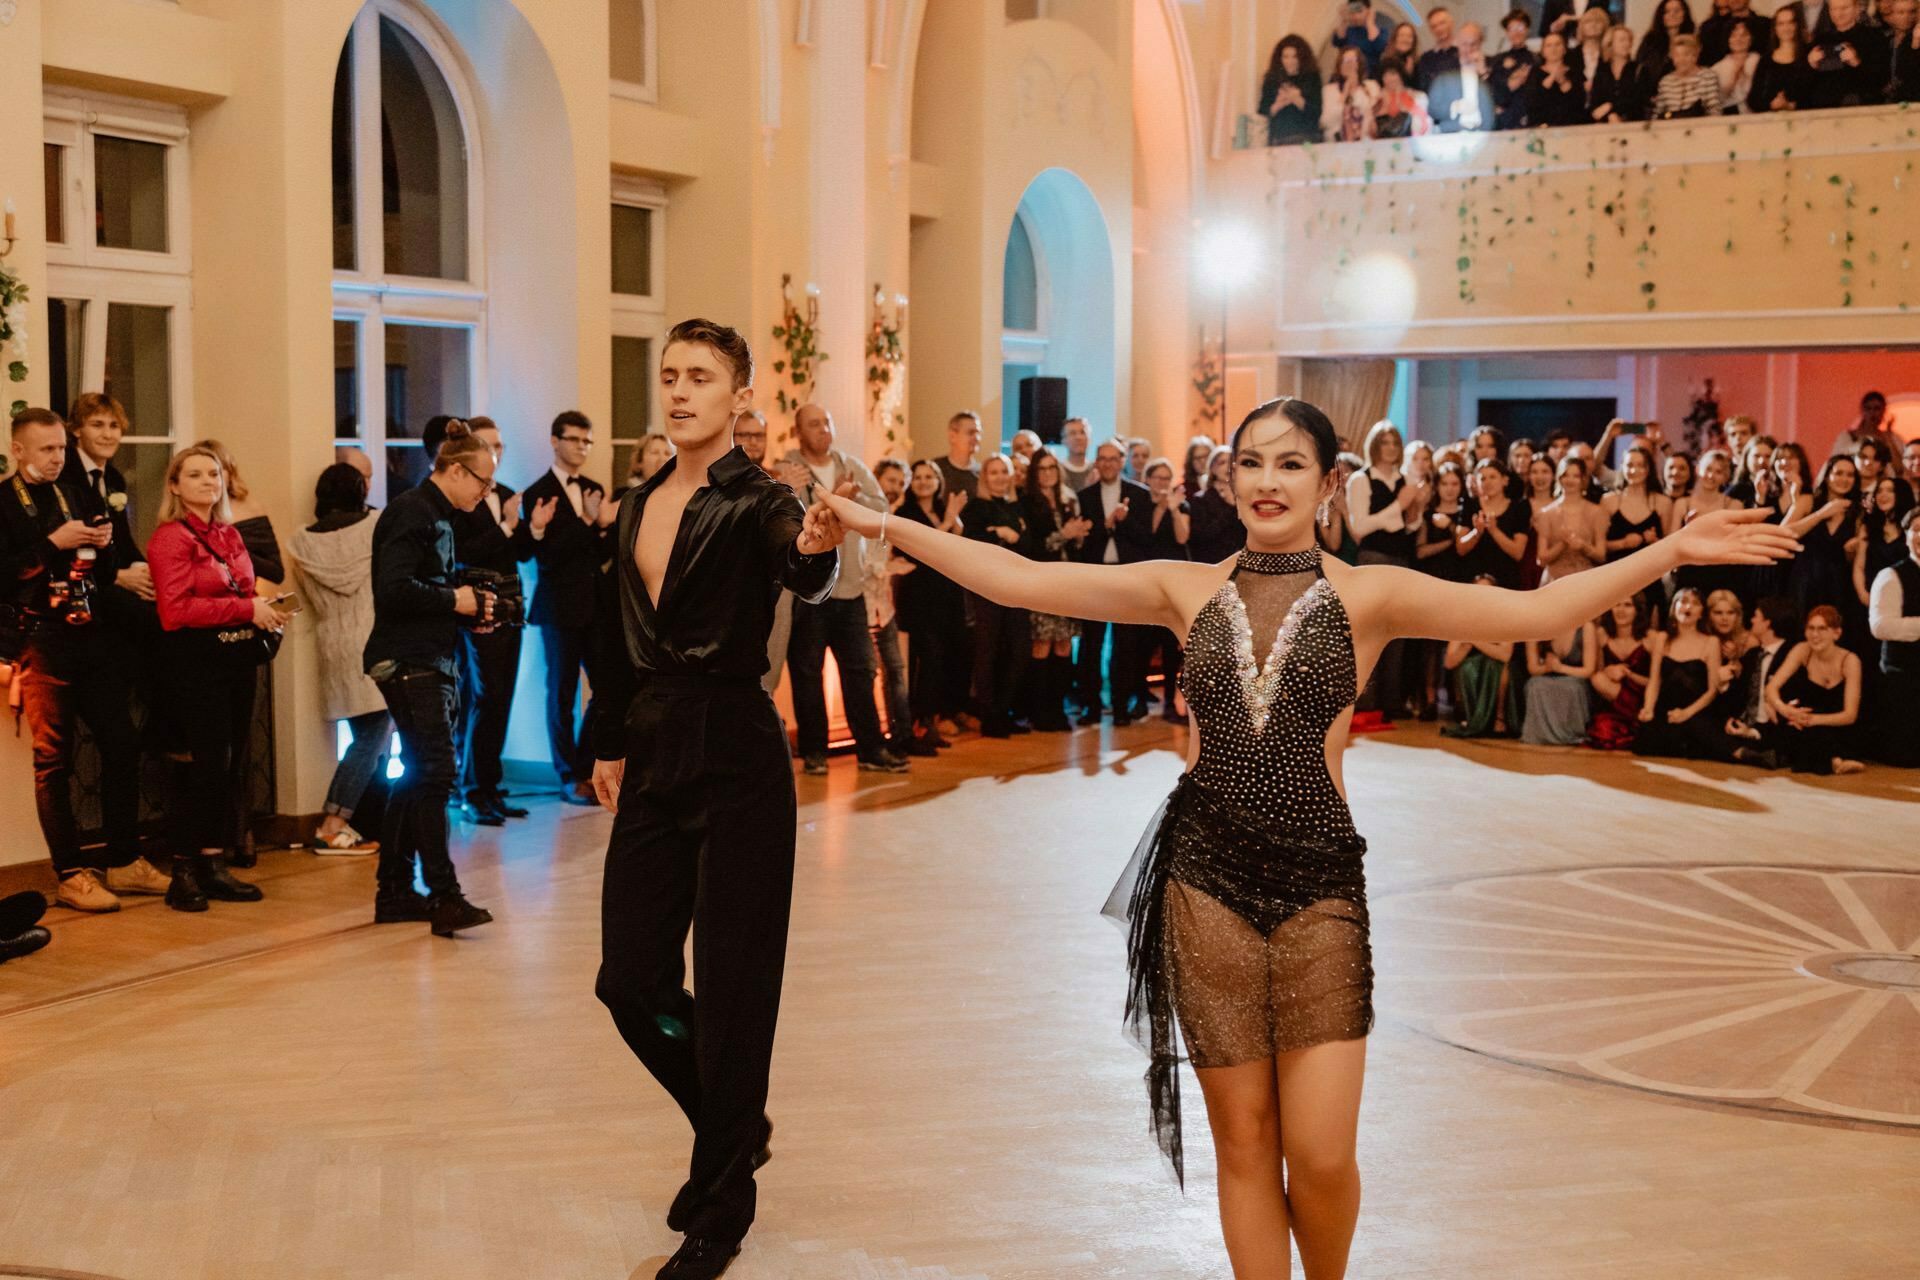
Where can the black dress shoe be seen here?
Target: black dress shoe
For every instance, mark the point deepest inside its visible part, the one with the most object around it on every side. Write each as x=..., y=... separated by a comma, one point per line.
x=413, y=908
x=220, y=886
x=505, y=810
x=454, y=912
x=482, y=815
x=24, y=943
x=183, y=890
x=699, y=1258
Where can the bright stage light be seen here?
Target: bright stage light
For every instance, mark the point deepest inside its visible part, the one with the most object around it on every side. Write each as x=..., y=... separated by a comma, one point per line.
x=1227, y=255
x=1377, y=290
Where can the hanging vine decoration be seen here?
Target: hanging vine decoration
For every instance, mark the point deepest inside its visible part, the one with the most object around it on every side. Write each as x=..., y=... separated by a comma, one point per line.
x=13, y=329
x=886, y=364
x=1210, y=384
x=799, y=334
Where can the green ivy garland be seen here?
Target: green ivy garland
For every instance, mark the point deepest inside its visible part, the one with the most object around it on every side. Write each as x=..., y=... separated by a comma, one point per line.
x=13, y=294
x=886, y=364
x=800, y=335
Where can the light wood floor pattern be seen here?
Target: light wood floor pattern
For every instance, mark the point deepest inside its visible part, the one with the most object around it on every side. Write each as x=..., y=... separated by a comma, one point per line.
x=955, y=1099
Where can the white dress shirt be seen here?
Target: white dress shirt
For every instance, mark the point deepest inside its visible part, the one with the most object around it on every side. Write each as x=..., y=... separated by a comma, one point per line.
x=1109, y=499
x=569, y=487
x=1886, y=605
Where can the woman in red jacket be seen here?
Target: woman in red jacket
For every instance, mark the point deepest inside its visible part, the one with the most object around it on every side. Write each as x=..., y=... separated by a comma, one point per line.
x=203, y=581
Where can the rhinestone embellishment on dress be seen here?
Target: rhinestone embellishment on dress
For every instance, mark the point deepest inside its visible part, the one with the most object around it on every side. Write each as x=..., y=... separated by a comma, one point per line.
x=1260, y=684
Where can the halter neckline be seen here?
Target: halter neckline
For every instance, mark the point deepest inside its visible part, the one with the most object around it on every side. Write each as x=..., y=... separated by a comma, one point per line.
x=1279, y=562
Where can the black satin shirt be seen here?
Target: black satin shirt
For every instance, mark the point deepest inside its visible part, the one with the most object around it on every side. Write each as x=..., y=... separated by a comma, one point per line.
x=734, y=551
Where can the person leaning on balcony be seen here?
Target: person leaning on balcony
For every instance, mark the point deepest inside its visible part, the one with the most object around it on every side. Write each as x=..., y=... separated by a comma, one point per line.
x=1619, y=89
x=1903, y=63
x=1783, y=81
x=1849, y=59
x=1689, y=89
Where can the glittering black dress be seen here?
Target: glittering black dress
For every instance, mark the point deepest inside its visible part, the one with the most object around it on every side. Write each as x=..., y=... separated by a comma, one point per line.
x=1246, y=904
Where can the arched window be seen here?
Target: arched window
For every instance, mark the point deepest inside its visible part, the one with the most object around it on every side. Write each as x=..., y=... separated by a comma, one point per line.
x=1020, y=282
x=408, y=296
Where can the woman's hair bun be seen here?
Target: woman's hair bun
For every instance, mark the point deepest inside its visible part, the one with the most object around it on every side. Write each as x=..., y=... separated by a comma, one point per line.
x=458, y=429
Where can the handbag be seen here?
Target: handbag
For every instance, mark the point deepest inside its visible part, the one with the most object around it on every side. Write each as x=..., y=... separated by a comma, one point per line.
x=238, y=646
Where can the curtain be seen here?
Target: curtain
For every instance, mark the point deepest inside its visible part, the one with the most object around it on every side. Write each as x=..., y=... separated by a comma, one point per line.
x=1353, y=393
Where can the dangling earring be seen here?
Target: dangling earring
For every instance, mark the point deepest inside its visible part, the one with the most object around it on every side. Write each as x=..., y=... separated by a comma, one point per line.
x=1325, y=516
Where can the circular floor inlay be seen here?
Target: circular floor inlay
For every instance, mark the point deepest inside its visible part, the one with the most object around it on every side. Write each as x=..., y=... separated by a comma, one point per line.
x=1785, y=989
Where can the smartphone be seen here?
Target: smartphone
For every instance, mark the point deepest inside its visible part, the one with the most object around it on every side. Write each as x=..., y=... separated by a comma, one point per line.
x=1633, y=428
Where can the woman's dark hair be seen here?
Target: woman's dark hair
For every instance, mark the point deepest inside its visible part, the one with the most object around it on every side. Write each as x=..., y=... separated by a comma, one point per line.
x=1700, y=623
x=1495, y=434
x=1821, y=496
x=1303, y=55
x=340, y=490
x=1693, y=475
x=885, y=465
x=1875, y=522
x=1304, y=417
x=1799, y=30
x=1642, y=618
x=939, y=480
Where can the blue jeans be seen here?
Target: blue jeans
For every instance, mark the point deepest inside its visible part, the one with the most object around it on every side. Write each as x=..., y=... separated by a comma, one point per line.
x=371, y=730
x=893, y=665
x=840, y=625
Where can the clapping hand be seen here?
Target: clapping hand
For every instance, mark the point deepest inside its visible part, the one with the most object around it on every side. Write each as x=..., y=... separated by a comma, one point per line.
x=1077, y=528
x=543, y=513
x=1119, y=513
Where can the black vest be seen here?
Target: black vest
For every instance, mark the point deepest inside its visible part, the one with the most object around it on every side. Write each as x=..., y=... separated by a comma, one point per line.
x=1903, y=656
x=1397, y=543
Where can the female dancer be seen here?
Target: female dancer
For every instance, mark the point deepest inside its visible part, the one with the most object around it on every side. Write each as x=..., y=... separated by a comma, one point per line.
x=1249, y=915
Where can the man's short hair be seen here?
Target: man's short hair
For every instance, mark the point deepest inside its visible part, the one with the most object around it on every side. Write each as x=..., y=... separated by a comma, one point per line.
x=1873, y=395
x=35, y=418
x=1781, y=614
x=726, y=342
x=1517, y=15
x=1113, y=445
x=480, y=422
x=1437, y=10
x=963, y=416
x=90, y=404
x=570, y=418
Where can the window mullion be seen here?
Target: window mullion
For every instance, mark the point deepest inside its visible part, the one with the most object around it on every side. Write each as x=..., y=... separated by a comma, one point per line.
x=368, y=215
x=371, y=371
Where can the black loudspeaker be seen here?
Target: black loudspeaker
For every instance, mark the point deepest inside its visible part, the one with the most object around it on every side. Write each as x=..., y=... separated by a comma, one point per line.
x=1043, y=407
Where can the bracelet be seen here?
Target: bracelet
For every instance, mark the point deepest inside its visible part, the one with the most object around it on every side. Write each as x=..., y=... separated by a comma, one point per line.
x=884, y=516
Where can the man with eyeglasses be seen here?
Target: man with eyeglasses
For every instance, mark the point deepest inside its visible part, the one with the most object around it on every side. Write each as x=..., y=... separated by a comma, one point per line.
x=563, y=536
x=411, y=656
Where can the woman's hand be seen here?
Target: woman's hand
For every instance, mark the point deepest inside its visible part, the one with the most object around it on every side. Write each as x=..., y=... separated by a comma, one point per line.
x=268, y=618
x=1734, y=537
x=1010, y=536
x=847, y=515
x=1679, y=715
x=1077, y=528
x=1646, y=714
x=1442, y=521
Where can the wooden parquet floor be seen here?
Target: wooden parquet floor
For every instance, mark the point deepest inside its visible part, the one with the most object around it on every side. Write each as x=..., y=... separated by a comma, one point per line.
x=284, y=1090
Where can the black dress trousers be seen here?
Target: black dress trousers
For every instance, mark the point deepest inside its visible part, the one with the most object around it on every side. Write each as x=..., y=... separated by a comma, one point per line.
x=704, y=839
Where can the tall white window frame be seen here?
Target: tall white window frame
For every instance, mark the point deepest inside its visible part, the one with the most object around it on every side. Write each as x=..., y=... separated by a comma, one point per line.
x=646, y=89
x=366, y=295
x=642, y=316
x=98, y=277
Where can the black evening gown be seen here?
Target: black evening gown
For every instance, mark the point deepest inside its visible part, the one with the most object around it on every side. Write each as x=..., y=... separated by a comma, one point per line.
x=1703, y=736
x=1813, y=750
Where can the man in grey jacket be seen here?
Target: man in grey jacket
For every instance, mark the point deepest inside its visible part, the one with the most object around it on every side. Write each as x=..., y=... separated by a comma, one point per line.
x=839, y=622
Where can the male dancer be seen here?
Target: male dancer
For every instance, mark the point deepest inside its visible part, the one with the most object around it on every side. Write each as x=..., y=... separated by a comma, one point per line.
x=696, y=772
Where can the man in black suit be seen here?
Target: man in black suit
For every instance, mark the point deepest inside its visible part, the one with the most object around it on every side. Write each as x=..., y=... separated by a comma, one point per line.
x=562, y=534
x=489, y=660
x=1774, y=623
x=1116, y=506
x=96, y=423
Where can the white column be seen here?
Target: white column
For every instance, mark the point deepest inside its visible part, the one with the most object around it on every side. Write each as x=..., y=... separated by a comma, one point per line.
x=839, y=210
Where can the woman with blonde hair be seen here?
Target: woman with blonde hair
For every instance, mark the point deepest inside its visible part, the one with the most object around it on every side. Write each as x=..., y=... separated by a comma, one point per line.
x=203, y=586
x=250, y=520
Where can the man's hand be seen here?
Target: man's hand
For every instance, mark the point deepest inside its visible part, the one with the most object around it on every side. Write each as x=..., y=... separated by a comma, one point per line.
x=136, y=578
x=609, y=512
x=510, y=515
x=1119, y=512
x=466, y=602
x=607, y=777
x=822, y=531
x=78, y=533
x=543, y=513
x=590, y=504
x=794, y=475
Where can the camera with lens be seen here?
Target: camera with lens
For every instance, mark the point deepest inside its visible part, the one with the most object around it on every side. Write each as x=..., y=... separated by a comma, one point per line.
x=504, y=598
x=71, y=598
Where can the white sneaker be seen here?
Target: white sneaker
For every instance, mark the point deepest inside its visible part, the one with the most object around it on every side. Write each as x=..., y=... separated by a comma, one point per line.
x=346, y=842
x=138, y=876
x=83, y=891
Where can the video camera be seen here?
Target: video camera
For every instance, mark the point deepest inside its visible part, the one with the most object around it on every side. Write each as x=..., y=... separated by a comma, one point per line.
x=507, y=593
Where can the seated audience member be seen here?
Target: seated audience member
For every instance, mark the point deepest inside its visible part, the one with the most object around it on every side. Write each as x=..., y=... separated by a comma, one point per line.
x=1772, y=626
x=1816, y=696
x=1361, y=30
x=1511, y=71
x=1346, y=113
x=1290, y=94
x=1850, y=59
x=1480, y=675
x=1893, y=614
x=1682, y=686
x=333, y=557
x=1689, y=89
x=1620, y=683
x=1555, y=94
x=1729, y=629
x=1783, y=81
x=1618, y=92
x=1400, y=112
x=1559, y=698
x=1735, y=70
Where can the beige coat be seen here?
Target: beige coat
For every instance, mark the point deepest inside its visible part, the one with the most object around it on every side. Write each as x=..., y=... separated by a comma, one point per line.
x=336, y=585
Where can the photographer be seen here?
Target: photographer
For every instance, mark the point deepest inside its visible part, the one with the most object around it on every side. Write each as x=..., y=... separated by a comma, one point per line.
x=483, y=541
x=411, y=656
x=63, y=669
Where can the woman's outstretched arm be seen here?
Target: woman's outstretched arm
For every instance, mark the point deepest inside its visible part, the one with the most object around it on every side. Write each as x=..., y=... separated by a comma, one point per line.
x=1399, y=602
x=1133, y=593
